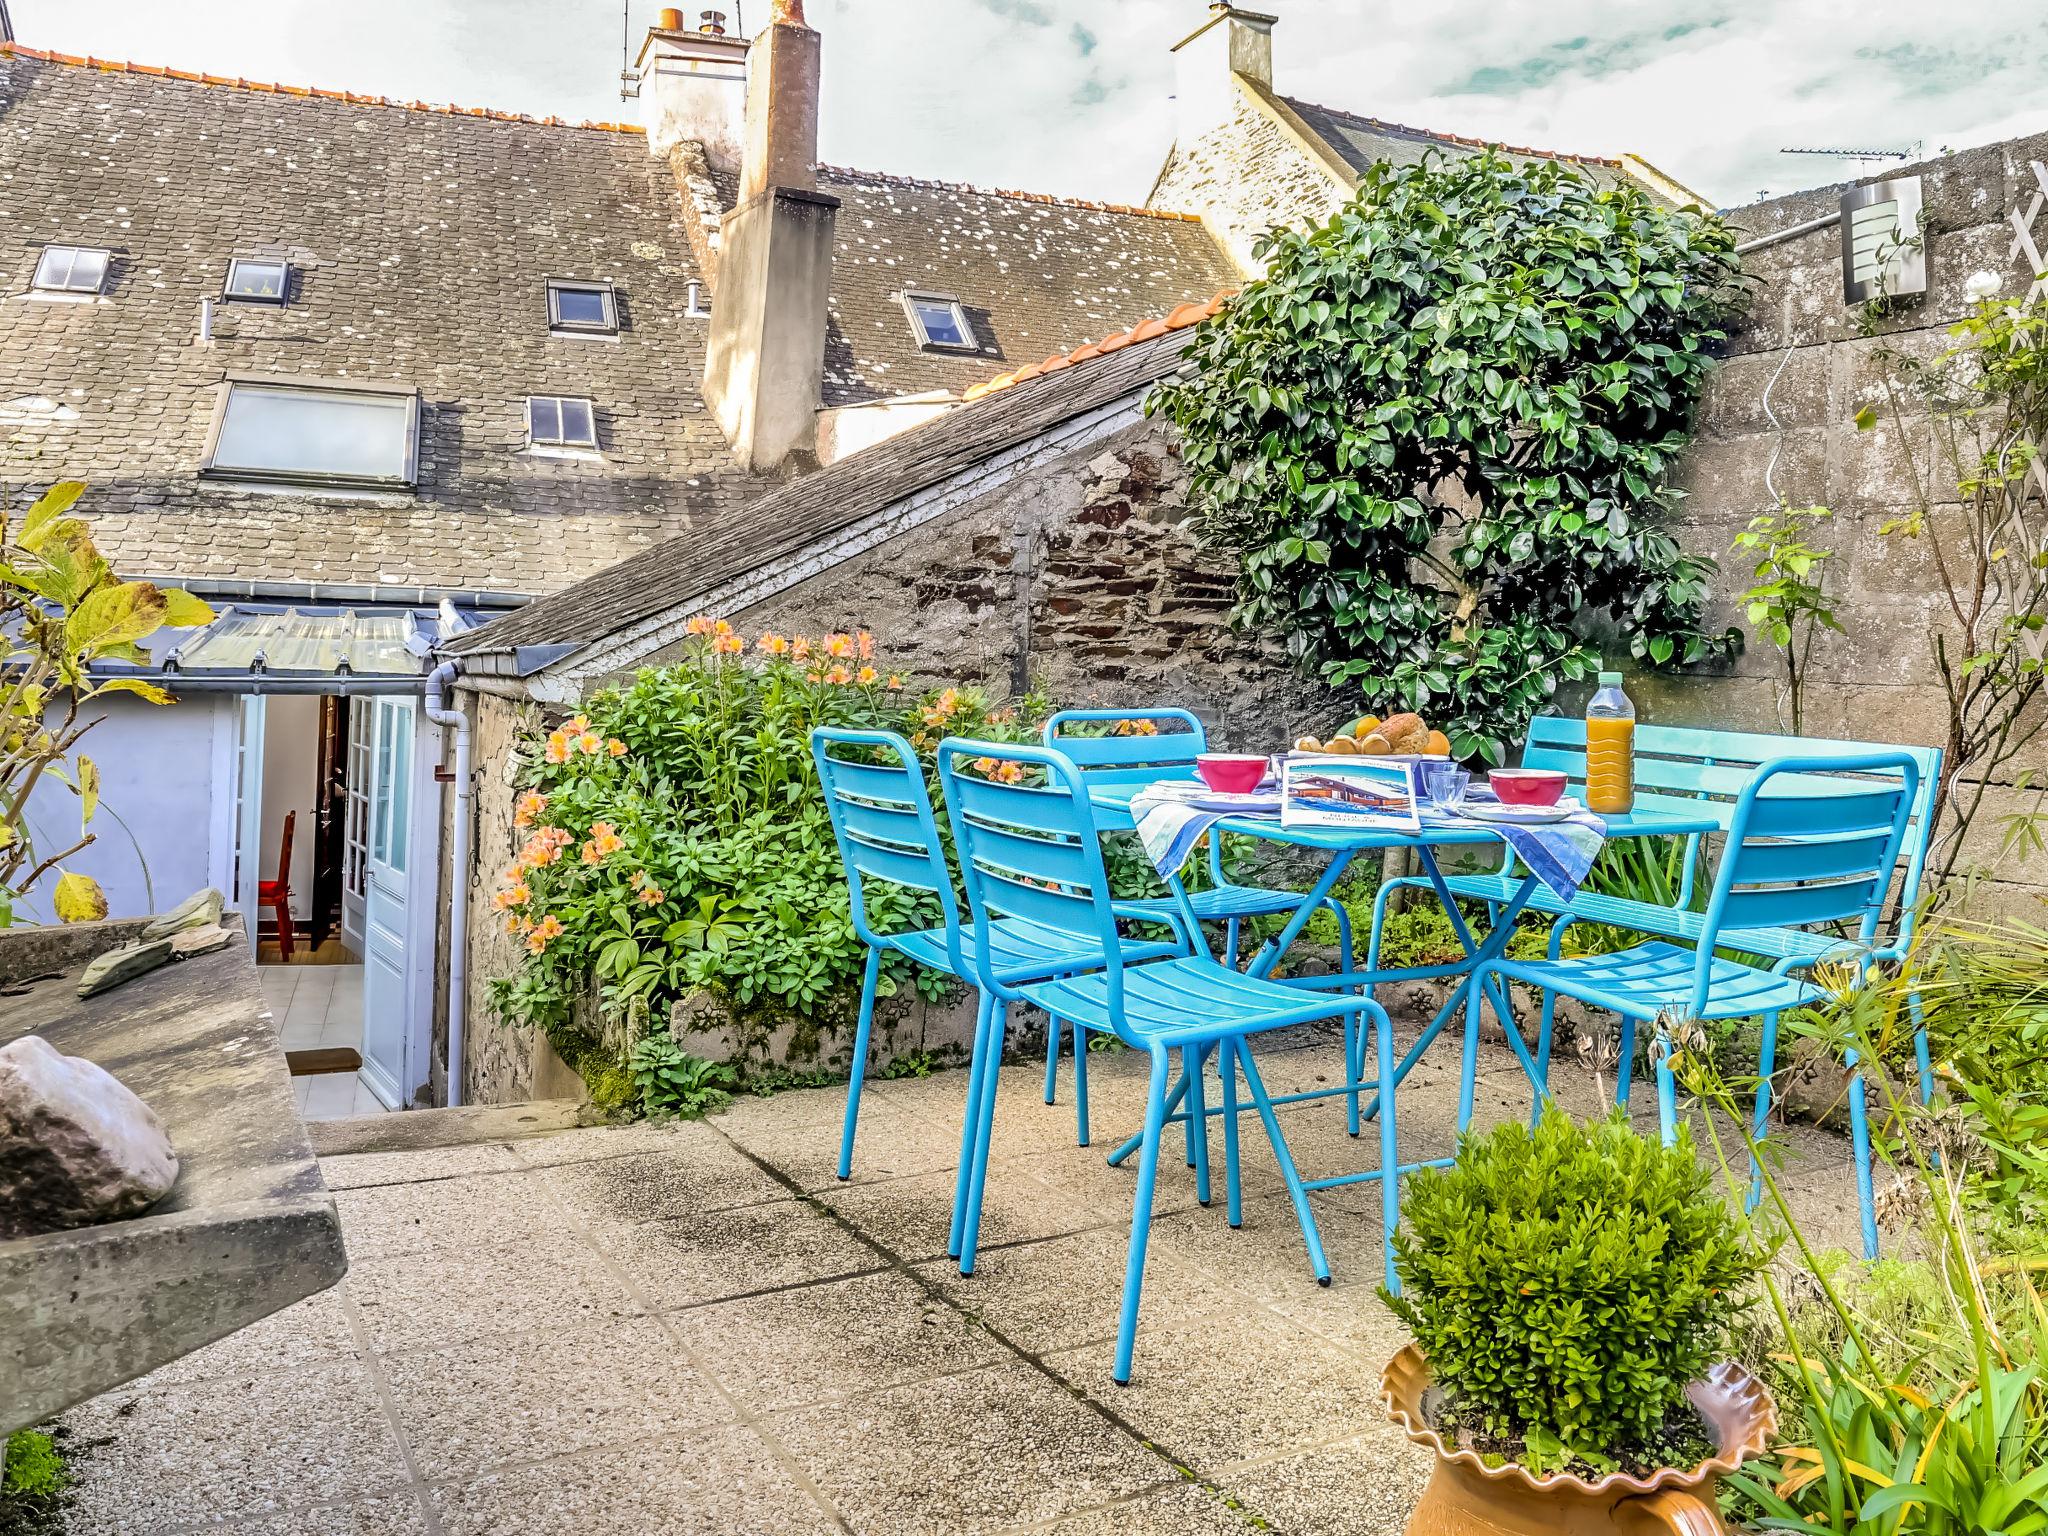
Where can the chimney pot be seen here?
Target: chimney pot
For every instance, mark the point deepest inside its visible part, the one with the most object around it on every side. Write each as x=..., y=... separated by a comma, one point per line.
x=668, y=19
x=712, y=22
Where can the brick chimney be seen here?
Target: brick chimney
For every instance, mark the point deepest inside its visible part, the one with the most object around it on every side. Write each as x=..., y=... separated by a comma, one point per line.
x=693, y=86
x=1232, y=41
x=765, y=362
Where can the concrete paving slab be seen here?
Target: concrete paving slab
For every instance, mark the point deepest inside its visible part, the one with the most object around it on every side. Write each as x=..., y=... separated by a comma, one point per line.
x=397, y=1514
x=844, y=1339
x=1361, y=1486
x=712, y=1483
x=551, y=1279
x=701, y=1172
x=913, y=1217
x=996, y=1447
x=363, y=1169
x=471, y=1211
x=1179, y=1509
x=722, y=1254
x=493, y=1402
x=306, y=1333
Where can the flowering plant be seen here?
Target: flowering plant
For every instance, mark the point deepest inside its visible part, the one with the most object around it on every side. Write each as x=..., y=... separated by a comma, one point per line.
x=671, y=837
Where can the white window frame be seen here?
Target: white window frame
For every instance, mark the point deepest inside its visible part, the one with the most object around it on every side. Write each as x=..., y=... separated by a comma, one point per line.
x=560, y=438
x=38, y=283
x=609, y=326
x=210, y=467
x=284, y=283
x=914, y=297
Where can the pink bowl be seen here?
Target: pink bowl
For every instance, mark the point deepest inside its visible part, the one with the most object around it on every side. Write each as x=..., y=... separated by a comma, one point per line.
x=1231, y=773
x=1527, y=786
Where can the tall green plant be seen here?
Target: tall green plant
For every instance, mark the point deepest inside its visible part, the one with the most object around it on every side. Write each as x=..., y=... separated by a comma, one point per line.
x=1969, y=426
x=1436, y=434
x=1788, y=602
x=62, y=609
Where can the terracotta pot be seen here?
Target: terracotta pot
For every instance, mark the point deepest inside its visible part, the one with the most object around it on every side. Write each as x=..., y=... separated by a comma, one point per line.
x=1466, y=1497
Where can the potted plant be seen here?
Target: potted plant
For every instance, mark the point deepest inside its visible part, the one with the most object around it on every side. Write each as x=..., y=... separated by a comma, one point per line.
x=1568, y=1288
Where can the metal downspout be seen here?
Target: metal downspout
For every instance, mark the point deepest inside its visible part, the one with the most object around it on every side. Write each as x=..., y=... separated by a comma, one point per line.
x=458, y=865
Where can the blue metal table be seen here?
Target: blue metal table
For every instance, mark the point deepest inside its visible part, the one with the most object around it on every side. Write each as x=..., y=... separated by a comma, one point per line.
x=1342, y=845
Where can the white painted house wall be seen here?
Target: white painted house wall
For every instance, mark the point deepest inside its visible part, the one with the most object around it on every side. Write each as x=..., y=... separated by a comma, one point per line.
x=158, y=778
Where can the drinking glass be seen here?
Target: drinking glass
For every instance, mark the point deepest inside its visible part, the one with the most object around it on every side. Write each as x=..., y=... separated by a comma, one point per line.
x=1447, y=788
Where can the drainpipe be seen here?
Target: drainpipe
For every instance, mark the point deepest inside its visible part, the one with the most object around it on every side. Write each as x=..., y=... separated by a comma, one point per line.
x=458, y=864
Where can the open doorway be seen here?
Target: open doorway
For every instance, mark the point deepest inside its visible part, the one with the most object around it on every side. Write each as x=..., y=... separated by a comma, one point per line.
x=309, y=794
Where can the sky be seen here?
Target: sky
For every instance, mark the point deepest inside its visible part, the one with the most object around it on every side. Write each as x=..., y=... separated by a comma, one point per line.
x=1074, y=97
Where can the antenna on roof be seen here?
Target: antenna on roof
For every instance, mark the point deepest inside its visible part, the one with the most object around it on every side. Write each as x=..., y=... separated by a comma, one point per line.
x=1867, y=157
x=6, y=26
x=629, y=83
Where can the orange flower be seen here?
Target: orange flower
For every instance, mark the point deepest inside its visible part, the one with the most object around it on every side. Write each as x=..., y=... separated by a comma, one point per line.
x=799, y=649
x=895, y=679
x=576, y=726
x=512, y=923
x=772, y=643
x=837, y=644
x=865, y=644
x=814, y=676
x=529, y=807
x=546, y=929
x=653, y=895
x=604, y=842
x=616, y=747
x=514, y=894
x=839, y=676
x=698, y=626
x=721, y=628
x=865, y=675
x=728, y=644
x=558, y=748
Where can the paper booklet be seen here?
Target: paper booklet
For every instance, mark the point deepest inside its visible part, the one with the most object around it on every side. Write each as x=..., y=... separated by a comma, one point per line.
x=1328, y=790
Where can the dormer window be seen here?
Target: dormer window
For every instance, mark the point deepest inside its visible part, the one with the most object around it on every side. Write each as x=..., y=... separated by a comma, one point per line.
x=582, y=308
x=316, y=433
x=70, y=269
x=940, y=323
x=560, y=421
x=253, y=280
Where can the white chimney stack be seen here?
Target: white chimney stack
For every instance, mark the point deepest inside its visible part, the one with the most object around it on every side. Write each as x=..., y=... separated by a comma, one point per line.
x=693, y=85
x=1231, y=42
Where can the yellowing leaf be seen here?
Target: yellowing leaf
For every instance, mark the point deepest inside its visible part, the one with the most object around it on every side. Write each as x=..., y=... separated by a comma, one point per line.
x=116, y=615
x=135, y=685
x=184, y=611
x=88, y=789
x=78, y=899
x=43, y=518
x=1866, y=418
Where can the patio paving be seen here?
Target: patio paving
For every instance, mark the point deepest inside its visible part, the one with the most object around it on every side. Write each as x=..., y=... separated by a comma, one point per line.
x=696, y=1328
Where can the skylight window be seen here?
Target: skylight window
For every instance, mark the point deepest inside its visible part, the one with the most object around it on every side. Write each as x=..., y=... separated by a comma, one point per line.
x=940, y=323
x=582, y=308
x=70, y=269
x=258, y=281
x=560, y=421
x=300, y=433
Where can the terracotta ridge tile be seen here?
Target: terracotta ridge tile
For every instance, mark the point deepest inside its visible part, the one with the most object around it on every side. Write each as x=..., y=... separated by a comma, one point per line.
x=12, y=49
x=1457, y=138
x=1179, y=319
x=925, y=184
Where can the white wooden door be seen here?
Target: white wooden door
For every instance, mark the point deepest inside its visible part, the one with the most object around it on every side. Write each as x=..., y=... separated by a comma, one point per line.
x=388, y=921
x=355, y=838
x=249, y=810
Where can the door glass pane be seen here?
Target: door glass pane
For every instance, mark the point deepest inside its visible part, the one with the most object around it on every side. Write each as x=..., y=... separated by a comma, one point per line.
x=314, y=432
x=394, y=785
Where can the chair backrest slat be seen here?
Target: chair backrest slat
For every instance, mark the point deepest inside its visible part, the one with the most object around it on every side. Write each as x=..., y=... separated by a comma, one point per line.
x=1029, y=850
x=882, y=820
x=1799, y=906
x=1112, y=758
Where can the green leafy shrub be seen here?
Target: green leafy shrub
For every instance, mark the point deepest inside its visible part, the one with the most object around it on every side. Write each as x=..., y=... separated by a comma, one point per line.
x=673, y=1082
x=1567, y=1284
x=34, y=1477
x=1436, y=434
x=676, y=840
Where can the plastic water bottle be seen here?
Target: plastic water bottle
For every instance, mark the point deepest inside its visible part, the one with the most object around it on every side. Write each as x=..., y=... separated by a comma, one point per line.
x=1610, y=750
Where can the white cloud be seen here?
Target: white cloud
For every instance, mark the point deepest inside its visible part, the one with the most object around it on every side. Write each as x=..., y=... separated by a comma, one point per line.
x=1072, y=96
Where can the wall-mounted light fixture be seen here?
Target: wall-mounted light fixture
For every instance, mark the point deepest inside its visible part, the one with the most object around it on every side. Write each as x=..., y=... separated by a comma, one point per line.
x=1884, y=246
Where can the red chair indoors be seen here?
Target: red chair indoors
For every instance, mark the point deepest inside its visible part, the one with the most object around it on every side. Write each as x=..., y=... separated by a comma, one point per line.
x=276, y=895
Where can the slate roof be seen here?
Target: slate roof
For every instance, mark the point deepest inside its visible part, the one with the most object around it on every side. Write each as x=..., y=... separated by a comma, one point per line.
x=1362, y=141
x=673, y=576
x=1037, y=275
x=421, y=238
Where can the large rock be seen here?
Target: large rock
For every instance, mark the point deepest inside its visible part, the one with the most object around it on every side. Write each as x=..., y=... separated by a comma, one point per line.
x=76, y=1147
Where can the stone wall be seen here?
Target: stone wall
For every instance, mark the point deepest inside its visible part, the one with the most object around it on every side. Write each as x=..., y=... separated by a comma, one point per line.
x=1802, y=342
x=1245, y=176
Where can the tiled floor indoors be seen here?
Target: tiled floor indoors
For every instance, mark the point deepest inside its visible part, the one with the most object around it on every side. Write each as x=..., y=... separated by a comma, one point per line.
x=321, y=1006
x=694, y=1329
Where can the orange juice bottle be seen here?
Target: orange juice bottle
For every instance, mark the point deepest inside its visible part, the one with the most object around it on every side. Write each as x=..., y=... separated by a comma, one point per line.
x=1610, y=750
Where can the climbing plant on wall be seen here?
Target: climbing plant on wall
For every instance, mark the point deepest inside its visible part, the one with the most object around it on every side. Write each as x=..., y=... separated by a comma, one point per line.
x=1436, y=434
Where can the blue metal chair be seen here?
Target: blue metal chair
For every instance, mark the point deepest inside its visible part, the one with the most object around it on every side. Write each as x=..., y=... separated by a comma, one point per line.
x=1680, y=770
x=882, y=819
x=1030, y=852
x=1807, y=844
x=1141, y=759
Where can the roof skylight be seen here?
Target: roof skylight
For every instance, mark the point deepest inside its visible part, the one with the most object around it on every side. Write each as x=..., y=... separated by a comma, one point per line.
x=560, y=421
x=582, y=308
x=258, y=280
x=70, y=269
x=940, y=323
